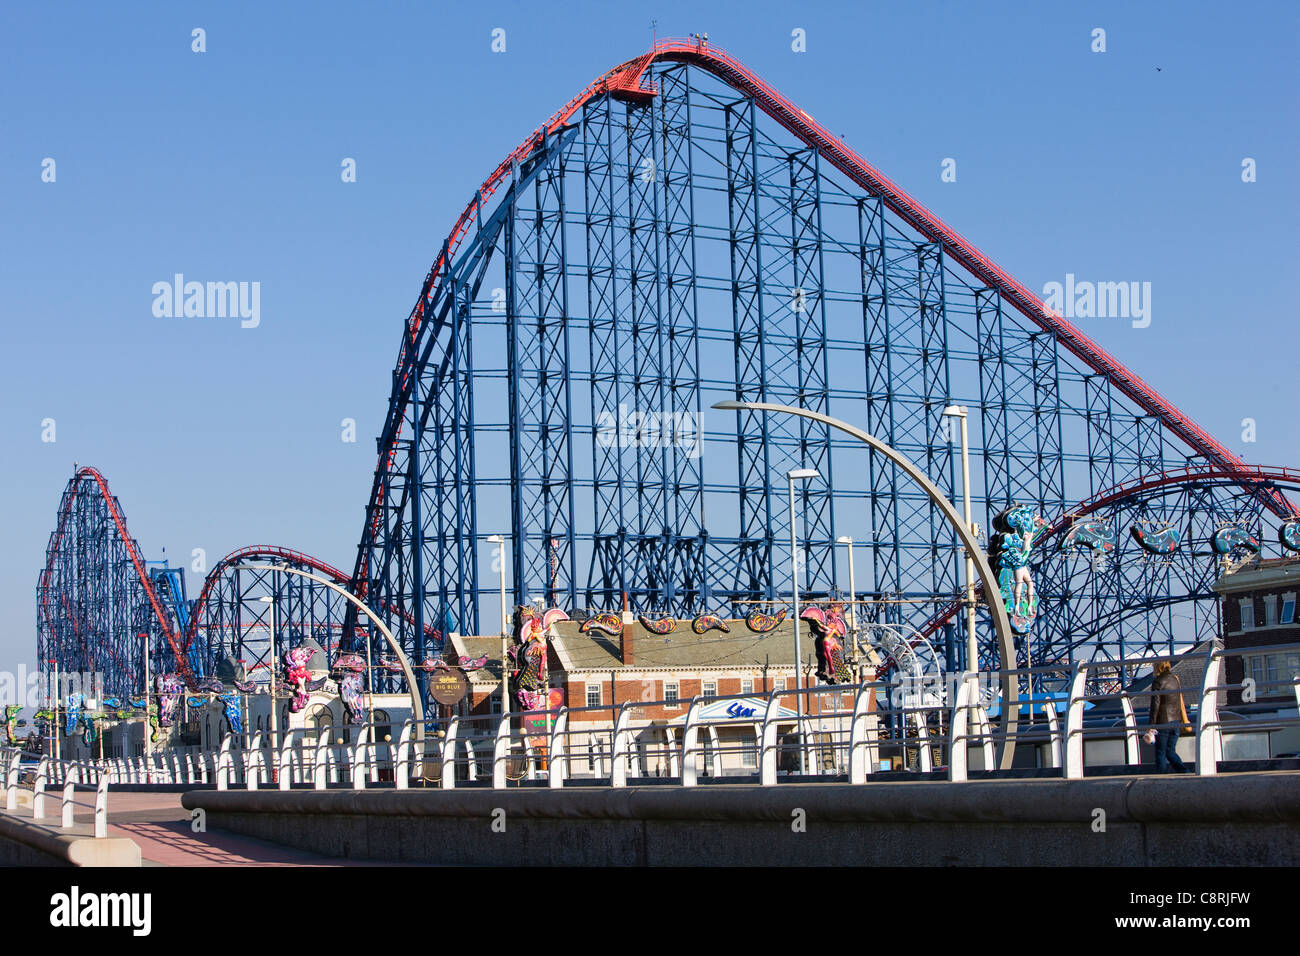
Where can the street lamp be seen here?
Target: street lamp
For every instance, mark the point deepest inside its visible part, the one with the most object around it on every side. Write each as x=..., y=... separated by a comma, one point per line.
x=847, y=541
x=798, y=474
x=972, y=648
x=998, y=613
x=275, y=723
x=500, y=541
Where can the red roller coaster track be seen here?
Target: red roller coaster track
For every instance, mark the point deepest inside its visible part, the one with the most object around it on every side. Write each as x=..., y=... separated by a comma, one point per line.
x=626, y=80
x=1245, y=475
x=137, y=561
x=274, y=552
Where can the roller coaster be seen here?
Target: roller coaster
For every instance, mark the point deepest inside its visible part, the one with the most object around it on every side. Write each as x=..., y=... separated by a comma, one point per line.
x=679, y=233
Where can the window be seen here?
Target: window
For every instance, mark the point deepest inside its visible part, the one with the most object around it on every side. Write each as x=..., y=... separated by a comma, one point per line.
x=1270, y=610
x=1288, y=608
x=1247, y=613
x=778, y=683
x=747, y=685
x=749, y=754
x=670, y=694
x=494, y=704
x=593, y=695
x=383, y=729
x=1275, y=669
x=709, y=688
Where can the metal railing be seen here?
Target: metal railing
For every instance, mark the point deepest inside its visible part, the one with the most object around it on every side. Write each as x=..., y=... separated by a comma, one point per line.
x=839, y=732
x=43, y=772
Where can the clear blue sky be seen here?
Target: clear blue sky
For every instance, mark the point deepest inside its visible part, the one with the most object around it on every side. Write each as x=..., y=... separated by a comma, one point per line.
x=225, y=165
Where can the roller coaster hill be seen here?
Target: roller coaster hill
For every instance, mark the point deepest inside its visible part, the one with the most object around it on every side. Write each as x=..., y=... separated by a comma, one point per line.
x=677, y=234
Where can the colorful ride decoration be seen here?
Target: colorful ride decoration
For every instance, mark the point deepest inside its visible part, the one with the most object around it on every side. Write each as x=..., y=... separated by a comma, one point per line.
x=1230, y=538
x=77, y=714
x=1091, y=534
x=658, y=625
x=760, y=622
x=605, y=622
x=1161, y=541
x=11, y=723
x=828, y=627
x=1016, y=530
x=233, y=711
x=348, y=668
x=467, y=663
x=709, y=622
x=527, y=658
x=297, y=676
x=1288, y=534
x=169, y=688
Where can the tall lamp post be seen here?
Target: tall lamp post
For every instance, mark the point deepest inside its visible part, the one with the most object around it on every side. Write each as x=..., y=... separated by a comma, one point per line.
x=798, y=474
x=959, y=412
x=847, y=541
x=500, y=542
x=1001, y=621
x=275, y=722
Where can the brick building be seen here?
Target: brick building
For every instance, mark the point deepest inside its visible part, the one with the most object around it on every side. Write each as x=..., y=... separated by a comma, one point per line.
x=1258, y=611
x=594, y=674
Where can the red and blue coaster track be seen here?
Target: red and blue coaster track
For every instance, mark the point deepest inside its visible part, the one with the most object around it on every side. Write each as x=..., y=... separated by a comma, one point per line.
x=688, y=175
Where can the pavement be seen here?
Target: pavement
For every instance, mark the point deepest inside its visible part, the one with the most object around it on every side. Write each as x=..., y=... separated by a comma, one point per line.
x=162, y=829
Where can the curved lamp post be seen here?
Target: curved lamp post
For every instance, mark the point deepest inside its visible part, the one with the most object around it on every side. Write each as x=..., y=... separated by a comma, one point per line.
x=1001, y=623
x=417, y=708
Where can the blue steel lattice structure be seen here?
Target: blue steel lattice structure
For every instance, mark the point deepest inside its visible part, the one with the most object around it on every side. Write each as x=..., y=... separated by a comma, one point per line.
x=679, y=234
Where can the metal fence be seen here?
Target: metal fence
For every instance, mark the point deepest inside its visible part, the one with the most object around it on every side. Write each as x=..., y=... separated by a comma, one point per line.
x=827, y=732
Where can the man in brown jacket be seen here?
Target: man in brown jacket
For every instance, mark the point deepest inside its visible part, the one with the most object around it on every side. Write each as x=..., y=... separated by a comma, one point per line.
x=1167, y=708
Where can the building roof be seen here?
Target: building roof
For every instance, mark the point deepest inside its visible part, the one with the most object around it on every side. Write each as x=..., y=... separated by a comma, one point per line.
x=476, y=646
x=1258, y=574
x=681, y=649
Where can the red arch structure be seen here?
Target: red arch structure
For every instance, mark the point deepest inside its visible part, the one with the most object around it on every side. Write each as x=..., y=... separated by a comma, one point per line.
x=208, y=598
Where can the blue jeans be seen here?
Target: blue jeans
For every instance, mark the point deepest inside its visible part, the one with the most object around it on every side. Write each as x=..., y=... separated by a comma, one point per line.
x=1166, y=754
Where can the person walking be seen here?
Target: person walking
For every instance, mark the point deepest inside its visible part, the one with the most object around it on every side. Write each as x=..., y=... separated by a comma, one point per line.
x=1167, y=708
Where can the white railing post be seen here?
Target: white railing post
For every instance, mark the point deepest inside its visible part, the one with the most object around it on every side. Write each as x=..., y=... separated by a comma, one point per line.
x=285, y=760
x=1132, y=749
x=38, y=788
x=11, y=780
x=767, y=742
x=101, y=808
x=1209, y=733
x=372, y=755
x=319, y=758
x=559, y=749
x=690, y=737
x=364, y=733
x=449, y=753
x=619, y=747
x=924, y=758
x=471, y=758
x=69, y=808
x=864, y=730
x=500, y=748
x=958, y=724
x=223, y=764
x=1074, y=723
x=1054, y=735
x=252, y=773
x=402, y=762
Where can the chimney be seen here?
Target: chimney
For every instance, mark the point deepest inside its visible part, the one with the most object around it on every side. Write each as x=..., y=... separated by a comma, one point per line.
x=625, y=642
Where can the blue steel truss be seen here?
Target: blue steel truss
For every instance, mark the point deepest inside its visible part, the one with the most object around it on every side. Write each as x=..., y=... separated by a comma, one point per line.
x=659, y=253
